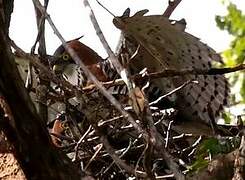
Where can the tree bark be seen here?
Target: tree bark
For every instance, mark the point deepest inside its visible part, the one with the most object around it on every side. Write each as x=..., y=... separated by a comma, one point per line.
x=21, y=124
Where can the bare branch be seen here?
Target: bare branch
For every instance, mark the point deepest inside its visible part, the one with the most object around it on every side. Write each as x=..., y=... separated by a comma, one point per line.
x=87, y=72
x=35, y=62
x=80, y=141
x=172, y=73
x=111, y=54
x=117, y=160
x=211, y=71
x=172, y=92
x=171, y=7
x=43, y=82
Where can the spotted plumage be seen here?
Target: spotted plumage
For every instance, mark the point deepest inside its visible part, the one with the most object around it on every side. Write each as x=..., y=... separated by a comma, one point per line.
x=63, y=64
x=164, y=45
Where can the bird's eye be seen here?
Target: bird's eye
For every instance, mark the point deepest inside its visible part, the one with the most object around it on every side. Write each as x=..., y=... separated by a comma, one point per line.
x=65, y=57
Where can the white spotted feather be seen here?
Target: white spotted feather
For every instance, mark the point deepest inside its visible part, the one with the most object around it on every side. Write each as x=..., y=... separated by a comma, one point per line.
x=166, y=46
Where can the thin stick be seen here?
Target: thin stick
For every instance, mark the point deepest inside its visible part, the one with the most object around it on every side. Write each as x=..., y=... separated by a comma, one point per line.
x=94, y=156
x=159, y=145
x=123, y=153
x=172, y=92
x=88, y=73
x=117, y=160
x=168, y=133
x=172, y=73
x=80, y=141
x=211, y=71
x=119, y=68
x=101, y=36
x=35, y=62
x=171, y=7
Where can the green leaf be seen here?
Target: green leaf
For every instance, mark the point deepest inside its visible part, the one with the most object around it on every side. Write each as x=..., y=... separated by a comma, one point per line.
x=227, y=117
x=234, y=23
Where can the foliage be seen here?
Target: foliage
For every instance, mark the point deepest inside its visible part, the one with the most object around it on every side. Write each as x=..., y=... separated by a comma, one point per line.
x=211, y=147
x=234, y=24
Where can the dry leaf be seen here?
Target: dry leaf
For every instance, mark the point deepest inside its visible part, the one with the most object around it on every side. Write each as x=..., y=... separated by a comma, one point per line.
x=137, y=100
x=57, y=129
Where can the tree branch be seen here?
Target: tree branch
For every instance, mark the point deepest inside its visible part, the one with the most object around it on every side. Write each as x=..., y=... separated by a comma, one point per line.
x=171, y=7
x=24, y=129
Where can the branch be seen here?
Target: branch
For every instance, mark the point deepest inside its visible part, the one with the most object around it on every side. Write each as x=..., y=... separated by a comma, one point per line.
x=171, y=92
x=99, y=33
x=25, y=130
x=101, y=88
x=172, y=73
x=171, y=7
x=120, y=70
x=35, y=62
x=117, y=159
x=43, y=82
x=211, y=71
x=154, y=135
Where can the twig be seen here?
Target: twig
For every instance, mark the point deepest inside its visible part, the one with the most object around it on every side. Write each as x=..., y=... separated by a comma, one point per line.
x=100, y=87
x=80, y=141
x=113, y=59
x=165, y=176
x=150, y=140
x=40, y=36
x=123, y=153
x=193, y=145
x=102, y=123
x=117, y=160
x=172, y=92
x=171, y=7
x=98, y=29
x=35, y=62
x=93, y=157
x=183, y=135
x=42, y=83
x=87, y=72
x=111, y=54
x=40, y=26
x=156, y=140
x=168, y=132
x=154, y=135
x=172, y=73
x=141, y=156
x=211, y=71
x=147, y=161
x=84, y=135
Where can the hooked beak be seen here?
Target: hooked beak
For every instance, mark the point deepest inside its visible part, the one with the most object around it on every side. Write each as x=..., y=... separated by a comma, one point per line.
x=56, y=64
x=58, y=68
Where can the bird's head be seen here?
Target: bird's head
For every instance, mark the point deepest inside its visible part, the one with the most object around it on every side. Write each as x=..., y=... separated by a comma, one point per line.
x=61, y=59
x=63, y=64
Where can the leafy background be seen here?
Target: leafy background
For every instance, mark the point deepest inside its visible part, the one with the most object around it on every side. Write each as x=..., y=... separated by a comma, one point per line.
x=234, y=24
